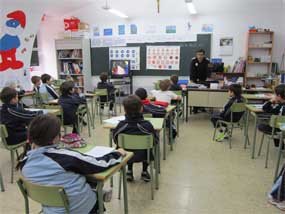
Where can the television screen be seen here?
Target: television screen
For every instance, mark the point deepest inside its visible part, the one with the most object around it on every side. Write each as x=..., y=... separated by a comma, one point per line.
x=120, y=68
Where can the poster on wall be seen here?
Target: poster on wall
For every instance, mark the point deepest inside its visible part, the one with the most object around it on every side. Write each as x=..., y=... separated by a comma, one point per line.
x=170, y=29
x=19, y=26
x=126, y=53
x=99, y=42
x=226, y=46
x=96, y=31
x=121, y=30
x=163, y=57
x=207, y=28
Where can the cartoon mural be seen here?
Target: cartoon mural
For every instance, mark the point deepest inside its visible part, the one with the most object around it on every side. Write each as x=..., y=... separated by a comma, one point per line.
x=10, y=41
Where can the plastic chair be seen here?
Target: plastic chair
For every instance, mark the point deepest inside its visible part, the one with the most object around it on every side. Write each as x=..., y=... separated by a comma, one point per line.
x=230, y=125
x=81, y=111
x=141, y=142
x=156, y=85
x=274, y=124
x=11, y=148
x=58, y=82
x=53, y=196
x=2, y=183
x=102, y=94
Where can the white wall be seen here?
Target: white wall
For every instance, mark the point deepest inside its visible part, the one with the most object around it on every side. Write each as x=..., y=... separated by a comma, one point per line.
x=225, y=24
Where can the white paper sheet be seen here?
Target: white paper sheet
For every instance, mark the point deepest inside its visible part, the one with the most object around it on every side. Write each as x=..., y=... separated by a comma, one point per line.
x=100, y=151
x=114, y=120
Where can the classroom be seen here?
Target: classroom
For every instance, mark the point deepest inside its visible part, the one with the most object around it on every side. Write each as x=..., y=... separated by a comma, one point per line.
x=142, y=107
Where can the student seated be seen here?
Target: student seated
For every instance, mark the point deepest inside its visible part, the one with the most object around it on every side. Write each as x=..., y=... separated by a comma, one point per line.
x=48, y=164
x=148, y=107
x=70, y=101
x=46, y=87
x=164, y=95
x=36, y=80
x=174, y=83
x=14, y=116
x=276, y=196
x=275, y=106
x=235, y=93
x=136, y=125
x=110, y=89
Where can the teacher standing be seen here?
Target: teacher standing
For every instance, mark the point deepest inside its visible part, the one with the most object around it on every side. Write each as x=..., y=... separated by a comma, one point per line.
x=199, y=71
x=199, y=67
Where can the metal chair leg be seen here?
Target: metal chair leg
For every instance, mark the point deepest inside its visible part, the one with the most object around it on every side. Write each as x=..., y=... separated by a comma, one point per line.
x=261, y=144
x=12, y=165
x=267, y=153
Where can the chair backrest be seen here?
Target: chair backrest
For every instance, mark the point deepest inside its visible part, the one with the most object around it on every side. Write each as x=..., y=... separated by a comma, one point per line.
x=58, y=82
x=101, y=92
x=275, y=120
x=156, y=85
x=238, y=107
x=135, y=142
x=3, y=136
x=44, y=97
x=53, y=196
x=147, y=115
x=179, y=92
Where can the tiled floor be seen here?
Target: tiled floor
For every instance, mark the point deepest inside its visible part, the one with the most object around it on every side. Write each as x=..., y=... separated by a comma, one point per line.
x=200, y=177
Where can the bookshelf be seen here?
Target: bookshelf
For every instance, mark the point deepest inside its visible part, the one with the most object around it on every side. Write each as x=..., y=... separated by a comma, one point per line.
x=258, y=57
x=73, y=59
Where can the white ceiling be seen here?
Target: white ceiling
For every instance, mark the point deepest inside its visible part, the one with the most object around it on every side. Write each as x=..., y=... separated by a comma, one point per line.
x=139, y=8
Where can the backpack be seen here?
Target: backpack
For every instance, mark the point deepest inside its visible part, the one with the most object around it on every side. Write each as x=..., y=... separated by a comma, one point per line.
x=73, y=140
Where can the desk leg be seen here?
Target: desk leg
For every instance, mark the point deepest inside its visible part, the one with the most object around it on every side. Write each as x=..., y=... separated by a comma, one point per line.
x=157, y=165
x=93, y=113
x=246, y=129
x=254, y=136
x=187, y=109
x=125, y=190
x=110, y=145
x=100, y=196
x=89, y=120
x=158, y=156
x=170, y=131
x=164, y=140
x=177, y=120
x=279, y=155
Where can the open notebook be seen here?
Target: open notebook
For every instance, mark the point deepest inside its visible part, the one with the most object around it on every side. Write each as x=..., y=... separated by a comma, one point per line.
x=114, y=120
x=100, y=151
x=45, y=111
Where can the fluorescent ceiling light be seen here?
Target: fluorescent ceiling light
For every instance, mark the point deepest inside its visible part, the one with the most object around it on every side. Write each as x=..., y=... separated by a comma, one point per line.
x=118, y=13
x=191, y=7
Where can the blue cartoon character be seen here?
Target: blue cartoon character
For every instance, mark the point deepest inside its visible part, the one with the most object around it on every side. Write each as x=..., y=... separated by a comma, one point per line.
x=10, y=42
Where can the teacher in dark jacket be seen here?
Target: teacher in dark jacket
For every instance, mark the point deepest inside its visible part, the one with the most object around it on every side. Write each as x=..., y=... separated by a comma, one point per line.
x=199, y=71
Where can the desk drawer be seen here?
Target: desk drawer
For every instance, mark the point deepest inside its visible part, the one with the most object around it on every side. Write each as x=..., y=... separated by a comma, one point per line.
x=198, y=98
x=218, y=99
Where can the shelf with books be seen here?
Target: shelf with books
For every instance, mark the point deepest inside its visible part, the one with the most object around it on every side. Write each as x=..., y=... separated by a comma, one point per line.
x=73, y=59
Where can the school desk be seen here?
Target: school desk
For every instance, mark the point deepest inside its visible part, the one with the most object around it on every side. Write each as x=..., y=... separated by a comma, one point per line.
x=101, y=178
x=255, y=110
x=282, y=128
x=169, y=112
x=257, y=97
x=46, y=111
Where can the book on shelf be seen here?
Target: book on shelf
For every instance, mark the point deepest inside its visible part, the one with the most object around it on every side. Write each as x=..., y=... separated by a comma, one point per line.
x=239, y=66
x=71, y=68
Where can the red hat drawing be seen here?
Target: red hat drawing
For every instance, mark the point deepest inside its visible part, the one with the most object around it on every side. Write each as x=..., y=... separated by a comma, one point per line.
x=19, y=16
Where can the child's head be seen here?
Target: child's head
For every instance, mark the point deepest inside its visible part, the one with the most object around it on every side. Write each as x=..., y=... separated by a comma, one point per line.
x=164, y=85
x=36, y=80
x=9, y=95
x=44, y=130
x=67, y=88
x=46, y=78
x=235, y=90
x=141, y=93
x=132, y=105
x=174, y=79
x=280, y=92
x=104, y=77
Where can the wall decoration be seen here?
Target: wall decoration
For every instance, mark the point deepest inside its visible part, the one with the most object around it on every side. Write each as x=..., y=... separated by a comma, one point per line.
x=207, y=28
x=121, y=30
x=163, y=57
x=226, y=46
x=126, y=53
x=108, y=31
x=133, y=29
x=98, y=42
x=170, y=29
x=96, y=31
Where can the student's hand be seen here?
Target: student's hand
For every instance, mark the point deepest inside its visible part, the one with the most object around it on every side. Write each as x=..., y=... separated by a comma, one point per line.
x=273, y=99
x=122, y=152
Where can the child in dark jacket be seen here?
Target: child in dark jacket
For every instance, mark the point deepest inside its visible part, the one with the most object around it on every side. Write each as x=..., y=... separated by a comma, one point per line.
x=275, y=106
x=70, y=101
x=48, y=164
x=148, y=107
x=235, y=92
x=174, y=83
x=14, y=116
x=110, y=89
x=135, y=124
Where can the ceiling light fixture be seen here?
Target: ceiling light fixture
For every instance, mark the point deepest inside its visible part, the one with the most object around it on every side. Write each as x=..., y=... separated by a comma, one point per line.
x=191, y=7
x=114, y=11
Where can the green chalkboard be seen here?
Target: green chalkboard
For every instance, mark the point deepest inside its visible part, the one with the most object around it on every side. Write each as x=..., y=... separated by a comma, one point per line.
x=100, y=56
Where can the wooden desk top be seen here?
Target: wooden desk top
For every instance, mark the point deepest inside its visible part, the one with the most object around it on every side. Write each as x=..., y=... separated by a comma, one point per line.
x=103, y=176
x=53, y=102
x=28, y=94
x=257, y=90
x=170, y=108
x=254, y=108
x=157, y=124
x=257, y=96
x=90, y=95
x=46, y=111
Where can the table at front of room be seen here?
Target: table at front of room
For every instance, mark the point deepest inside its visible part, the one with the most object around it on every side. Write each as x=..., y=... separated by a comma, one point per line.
x=255, y=110
x=101, y=178
x=217, y=98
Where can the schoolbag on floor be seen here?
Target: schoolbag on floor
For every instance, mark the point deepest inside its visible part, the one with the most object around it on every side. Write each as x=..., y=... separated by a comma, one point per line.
x=73, y=140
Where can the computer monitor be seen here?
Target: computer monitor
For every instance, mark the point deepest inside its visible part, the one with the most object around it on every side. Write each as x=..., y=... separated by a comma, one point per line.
x=120, y=68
